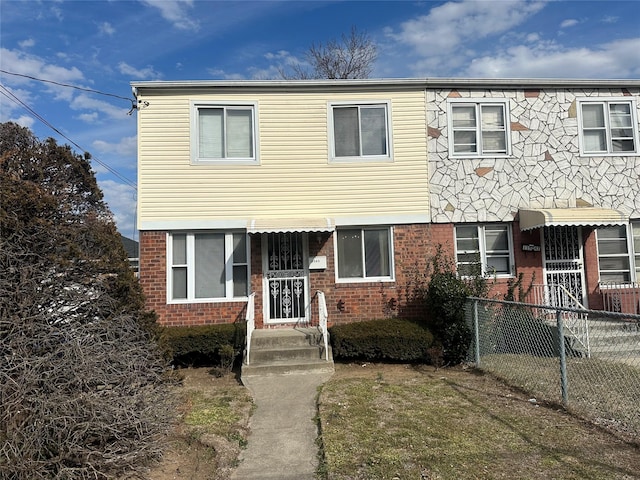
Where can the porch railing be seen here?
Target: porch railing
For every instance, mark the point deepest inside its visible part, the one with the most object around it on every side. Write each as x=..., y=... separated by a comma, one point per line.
x=251, y=325
x=323, y=315
x=558, y=296
x=620, y=297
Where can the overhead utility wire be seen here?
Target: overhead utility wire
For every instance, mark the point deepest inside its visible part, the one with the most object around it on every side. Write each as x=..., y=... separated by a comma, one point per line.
x=11, y=96
x=84, y=89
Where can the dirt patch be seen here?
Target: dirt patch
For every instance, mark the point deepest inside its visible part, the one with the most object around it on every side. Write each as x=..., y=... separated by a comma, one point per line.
x=211, y=431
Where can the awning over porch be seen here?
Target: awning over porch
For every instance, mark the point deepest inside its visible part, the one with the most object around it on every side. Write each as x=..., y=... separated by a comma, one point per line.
x=583, y=216
x=282, y=225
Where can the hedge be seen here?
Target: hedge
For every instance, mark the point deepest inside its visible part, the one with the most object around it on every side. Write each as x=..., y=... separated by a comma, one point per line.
x=376, y=340
x=200, y=345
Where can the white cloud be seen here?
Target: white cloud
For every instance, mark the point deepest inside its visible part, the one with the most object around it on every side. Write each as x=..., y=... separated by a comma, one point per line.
x=121, y=199
x=25, y=64
x=127, y=147
x=175, y=11
x=618, y=59
x=570, y=22
x=610, y=19
x=448, y=26
x=89, y=117
x=106, y=28
x=139, y=73
x=85, y=102
x=29, y=42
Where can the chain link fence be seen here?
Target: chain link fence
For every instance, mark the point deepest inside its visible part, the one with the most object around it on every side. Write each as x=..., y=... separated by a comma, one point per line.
x=586, y=360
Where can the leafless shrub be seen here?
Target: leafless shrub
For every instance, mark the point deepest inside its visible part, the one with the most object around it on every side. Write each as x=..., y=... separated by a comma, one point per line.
x=83, y=393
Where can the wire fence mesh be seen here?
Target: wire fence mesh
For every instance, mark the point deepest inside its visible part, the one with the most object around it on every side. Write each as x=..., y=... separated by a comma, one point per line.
x=587, y=360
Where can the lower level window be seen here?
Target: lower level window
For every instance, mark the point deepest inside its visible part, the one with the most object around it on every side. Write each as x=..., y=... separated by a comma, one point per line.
x=207, y=265
x=364, y=253
x=619, y=259
x=484, y=250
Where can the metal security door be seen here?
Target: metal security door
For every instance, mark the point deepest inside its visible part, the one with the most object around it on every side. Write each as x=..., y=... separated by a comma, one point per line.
x=563, y=264
x=286, y=278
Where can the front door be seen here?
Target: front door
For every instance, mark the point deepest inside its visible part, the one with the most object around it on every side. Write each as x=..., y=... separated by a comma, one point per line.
x=563, y=263
x=286, y=277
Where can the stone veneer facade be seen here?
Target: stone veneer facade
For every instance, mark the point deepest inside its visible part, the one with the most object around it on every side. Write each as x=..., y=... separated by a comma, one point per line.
x=544, y=170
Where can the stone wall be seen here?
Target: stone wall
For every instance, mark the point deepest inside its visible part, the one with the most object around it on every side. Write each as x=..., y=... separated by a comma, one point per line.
x=544, y=170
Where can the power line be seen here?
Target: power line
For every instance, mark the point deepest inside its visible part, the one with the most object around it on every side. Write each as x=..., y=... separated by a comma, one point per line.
x=84, y=89
x=11, y=96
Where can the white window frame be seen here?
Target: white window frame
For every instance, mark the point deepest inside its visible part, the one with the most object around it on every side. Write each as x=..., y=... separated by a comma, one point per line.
x=196, y=106
x=364, y=278
x=482, y=248
x=606, y=102
x=388, y=157
x=632, y=254
x=478, y=103
x=190, y=266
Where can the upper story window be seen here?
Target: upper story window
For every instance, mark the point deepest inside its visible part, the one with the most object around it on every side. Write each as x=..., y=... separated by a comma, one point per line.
x=607, y=127
x=478, y=128
x=360, y=132
x=484, y=250
x=207, y=266
x=223, y=133
x=364, y=254
x=619, y=255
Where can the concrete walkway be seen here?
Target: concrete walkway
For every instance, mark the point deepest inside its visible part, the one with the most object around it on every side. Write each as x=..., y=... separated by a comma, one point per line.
x=281, y=444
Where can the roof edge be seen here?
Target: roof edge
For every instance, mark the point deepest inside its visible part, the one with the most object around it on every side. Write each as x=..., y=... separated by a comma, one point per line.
x=512, y=83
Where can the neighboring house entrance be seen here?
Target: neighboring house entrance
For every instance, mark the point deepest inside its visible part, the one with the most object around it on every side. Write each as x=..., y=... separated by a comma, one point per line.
x=286, y=277
x=563, y=263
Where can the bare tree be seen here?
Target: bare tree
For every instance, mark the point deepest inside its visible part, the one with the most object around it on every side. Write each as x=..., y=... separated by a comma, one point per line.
x=353, y=56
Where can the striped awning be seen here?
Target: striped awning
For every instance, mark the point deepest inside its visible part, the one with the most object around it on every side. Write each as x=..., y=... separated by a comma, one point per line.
x=283, y=225
x=583, y=216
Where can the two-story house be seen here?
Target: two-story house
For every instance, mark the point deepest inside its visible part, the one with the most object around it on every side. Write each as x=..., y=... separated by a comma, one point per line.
x=541, y=177
x=286, y=188
x=280, y=189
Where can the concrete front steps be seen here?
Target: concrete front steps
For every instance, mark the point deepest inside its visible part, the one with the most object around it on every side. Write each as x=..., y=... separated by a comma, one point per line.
x=287, y=351
x=614, y=339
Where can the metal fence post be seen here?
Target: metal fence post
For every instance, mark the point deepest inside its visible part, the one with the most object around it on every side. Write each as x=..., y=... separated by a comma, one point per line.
x=563, y=359
x=476, y=332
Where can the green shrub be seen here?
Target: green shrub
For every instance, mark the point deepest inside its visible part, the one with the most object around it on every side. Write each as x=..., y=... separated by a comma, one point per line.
x=390, y=339
x=204, y=345
x=446, y=297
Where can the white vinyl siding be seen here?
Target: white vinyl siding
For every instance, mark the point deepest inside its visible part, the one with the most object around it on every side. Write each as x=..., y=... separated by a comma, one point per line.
x=608, y=127
x=364, y=253
x=223, y=133
x=293, y=178
x=359, y=132
x=207, y=266
x=478, y=128
x=484, y=250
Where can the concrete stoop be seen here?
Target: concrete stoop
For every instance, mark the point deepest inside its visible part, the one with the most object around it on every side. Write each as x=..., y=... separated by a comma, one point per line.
x=287, y=351
x=614, y=339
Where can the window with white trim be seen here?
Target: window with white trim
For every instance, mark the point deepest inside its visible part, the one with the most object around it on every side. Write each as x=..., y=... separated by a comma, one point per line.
x=207, y=266
x=364, y=253
x=360, y=132
x=223, y=133
x=619, y=253
x=608, y=127
x=484, y=250
x=478, y=128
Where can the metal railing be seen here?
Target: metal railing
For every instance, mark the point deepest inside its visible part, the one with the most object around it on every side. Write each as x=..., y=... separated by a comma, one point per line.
x=251, y=325
x=518, y=343
x=574, y=313
x=620, y=297
x=323, y=316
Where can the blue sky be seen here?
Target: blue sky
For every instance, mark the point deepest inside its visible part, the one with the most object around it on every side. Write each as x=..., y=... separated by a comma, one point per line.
x=104, y=45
